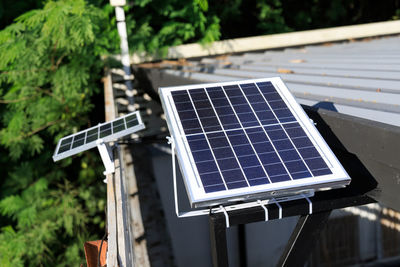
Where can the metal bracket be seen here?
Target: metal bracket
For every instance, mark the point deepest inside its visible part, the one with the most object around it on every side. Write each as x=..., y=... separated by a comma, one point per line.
x=106, y=156
x=179, y=214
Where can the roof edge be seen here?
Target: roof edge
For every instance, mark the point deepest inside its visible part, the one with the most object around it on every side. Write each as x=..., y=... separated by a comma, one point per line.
x=271, y=41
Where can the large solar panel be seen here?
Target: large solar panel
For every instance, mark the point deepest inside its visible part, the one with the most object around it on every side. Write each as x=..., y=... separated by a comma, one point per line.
x=246, y=139
x=108, y=131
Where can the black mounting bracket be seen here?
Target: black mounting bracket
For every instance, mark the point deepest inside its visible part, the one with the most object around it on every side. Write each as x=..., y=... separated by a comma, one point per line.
x=305, y=233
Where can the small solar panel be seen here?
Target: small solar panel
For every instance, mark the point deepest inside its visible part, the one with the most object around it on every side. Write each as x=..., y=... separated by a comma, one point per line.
x=108, y=131
x=246, y=139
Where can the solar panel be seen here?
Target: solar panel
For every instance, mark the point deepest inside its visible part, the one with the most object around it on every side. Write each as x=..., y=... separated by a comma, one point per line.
x=246, y=139
x=108, y=131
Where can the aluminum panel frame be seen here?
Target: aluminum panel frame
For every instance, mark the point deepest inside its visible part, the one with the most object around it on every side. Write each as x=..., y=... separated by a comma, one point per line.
x=196, y=194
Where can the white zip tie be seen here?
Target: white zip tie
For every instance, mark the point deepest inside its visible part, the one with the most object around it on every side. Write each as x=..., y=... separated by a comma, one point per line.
x=221, y=208
x=226, y=216
x=265, y=209
x=279, y=206
x=309, y=204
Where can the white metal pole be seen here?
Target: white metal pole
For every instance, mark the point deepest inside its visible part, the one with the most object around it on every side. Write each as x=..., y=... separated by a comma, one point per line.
x=125, y=60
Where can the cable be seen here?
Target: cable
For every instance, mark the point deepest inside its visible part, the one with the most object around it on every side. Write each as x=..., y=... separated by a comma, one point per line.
x=101, y=245
x=102, y=240
x=142, y=141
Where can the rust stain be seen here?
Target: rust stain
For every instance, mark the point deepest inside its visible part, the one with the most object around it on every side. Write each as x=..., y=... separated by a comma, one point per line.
x=379, y=90
x=280, y=70
x=367, y=39
x=226, y=62
x=297, y=61
x=223, y=57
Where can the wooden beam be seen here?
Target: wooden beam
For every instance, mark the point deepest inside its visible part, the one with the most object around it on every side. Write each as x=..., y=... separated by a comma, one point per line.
x=124, y=217
x=136, y=220
x=273, y=41
x=124, y=235
x=120, y=249
x=109, y=103
x=112, y=252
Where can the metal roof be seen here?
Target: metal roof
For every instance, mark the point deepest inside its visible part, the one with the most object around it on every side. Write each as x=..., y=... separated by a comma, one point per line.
x=359, y=78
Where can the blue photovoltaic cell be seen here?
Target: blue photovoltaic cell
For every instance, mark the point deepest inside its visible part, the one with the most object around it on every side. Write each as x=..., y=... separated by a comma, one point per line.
x=86, y=139
x=245, y=135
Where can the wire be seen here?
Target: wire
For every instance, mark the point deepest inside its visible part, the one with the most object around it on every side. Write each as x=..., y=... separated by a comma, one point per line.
x=102, y=240
x=143, y=141
x=101, y=245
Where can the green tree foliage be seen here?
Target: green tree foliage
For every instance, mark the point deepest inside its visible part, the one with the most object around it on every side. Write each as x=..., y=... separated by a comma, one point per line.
x=10, y=9
x=153, y=26
x=239, y=18
x=47, y=59
x=49, y=70
x=270, y=17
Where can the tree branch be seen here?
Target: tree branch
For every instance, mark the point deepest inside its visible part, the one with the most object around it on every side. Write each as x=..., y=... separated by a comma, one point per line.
x=24, y=71
x=60, y=60
x=36, y=130
x=3, y=101
x=39, y=90
x=53, y=55
x=49, y=93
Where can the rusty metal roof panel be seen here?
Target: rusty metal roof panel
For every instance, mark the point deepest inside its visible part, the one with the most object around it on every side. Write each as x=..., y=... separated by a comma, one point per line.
x=359, y=78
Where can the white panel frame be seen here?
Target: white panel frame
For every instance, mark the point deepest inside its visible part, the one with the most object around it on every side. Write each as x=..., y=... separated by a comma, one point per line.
x=191, y=177
x=58, y=156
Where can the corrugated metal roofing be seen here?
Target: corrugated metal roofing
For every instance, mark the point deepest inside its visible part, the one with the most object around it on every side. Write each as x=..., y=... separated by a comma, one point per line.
x=359, y=78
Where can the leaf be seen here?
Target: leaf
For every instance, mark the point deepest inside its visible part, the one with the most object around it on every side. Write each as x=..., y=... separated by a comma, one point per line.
x=50, y=69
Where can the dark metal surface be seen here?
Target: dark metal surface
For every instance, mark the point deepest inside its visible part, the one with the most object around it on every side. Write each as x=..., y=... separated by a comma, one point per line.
x=322, y=201
x=242, y=245
x=219, y=250
x=303, y=239
x=368, y=150
x=322, y=204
